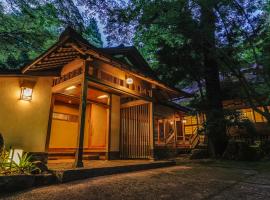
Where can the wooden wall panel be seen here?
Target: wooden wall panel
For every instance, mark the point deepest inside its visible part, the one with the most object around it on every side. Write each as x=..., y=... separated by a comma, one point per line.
x=135, y=132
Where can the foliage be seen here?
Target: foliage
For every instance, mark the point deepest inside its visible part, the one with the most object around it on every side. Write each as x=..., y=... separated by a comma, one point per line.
x=236, y=119
x=4, y=161
x=30, y=27
x=237, y=150
x=191, y=43
x=265, y=147
x=24, y=166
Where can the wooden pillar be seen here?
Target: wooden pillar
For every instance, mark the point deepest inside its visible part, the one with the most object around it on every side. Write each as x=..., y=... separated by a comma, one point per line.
x=49, y=124
x=151, y=123
x=175, y=131
x=82, y=110
x=108, y=137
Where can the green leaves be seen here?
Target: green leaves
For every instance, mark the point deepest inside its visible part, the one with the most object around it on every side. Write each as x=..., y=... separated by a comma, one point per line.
x=25, y=166
x=30, y=27
x=10, y=167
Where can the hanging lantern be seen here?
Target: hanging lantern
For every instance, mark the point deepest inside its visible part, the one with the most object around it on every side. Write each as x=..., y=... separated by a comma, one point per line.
x=26, y=90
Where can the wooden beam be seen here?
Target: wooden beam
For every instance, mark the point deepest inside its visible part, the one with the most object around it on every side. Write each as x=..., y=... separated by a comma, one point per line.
x=44, y=68
x=53, y=60
x=82, y=113
x=134, y=103
x=108, y=145
x=61, y=57
x=77, y=49
x=53, y=63
x=53, y=55
x=49, y=124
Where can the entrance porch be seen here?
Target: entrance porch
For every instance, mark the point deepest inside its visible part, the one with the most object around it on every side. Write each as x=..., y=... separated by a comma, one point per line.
x=91, y=120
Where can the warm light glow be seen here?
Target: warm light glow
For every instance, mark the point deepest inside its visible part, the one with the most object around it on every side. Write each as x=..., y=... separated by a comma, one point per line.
x=15, y=155
x=103, y=96
x=26, y=93
x=71, y=87
x=171, y=122
x=184, y=121
x=129, y=81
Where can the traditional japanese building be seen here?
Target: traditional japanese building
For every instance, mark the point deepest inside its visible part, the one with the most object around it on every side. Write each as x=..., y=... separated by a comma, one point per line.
x=79, y=101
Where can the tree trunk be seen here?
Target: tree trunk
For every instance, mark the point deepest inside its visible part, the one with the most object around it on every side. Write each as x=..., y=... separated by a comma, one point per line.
x=216, y=129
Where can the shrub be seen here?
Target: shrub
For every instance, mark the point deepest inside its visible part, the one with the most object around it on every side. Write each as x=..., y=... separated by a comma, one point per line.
x=237, y=150
x=265, y=148
x=25, y=166
x=199, y=154
x=164, y=153
x=1, y=143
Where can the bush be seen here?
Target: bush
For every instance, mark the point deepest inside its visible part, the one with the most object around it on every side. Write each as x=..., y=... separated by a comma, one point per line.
x=237, y=150
x=24, y=166
x=164, y=153
x=265, y=148
x=199, y=154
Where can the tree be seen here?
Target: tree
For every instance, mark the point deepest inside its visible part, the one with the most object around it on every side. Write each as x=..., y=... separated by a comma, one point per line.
x=30, y=27
x=190, y=41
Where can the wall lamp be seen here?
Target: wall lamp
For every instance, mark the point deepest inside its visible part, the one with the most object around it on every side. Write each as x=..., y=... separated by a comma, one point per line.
x=129, y=81
x=27, y=90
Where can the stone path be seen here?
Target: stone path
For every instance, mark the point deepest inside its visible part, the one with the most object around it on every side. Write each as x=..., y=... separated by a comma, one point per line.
x=184, y=181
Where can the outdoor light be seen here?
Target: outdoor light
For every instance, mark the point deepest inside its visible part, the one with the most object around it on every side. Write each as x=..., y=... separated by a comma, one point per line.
x=103, y=96
x=26, y=90
x=15, y=155
x=129, y=81
x=71, y=87
x=184, y=121
x=26, y=93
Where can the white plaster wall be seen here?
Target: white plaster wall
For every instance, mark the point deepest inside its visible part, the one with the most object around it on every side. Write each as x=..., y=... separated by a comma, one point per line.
x=23, y=123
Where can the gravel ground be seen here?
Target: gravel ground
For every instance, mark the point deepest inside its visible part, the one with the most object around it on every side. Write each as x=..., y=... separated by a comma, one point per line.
x=184, y=181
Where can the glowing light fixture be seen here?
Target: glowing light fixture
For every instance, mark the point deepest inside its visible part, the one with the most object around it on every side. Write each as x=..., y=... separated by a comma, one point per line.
x=171, y=122
x=27, y=90
x=71, y=87
x=103, y=96
x=26, y=93
x=15, y=155
x=184, y=121
x=129, y=81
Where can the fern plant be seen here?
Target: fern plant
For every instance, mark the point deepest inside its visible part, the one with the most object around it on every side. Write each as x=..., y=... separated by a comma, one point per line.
x=25, y=166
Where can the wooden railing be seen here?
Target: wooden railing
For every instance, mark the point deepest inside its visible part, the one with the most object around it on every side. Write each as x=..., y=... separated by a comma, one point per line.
x=195, y=139
x=67, y=76
x=170, y=138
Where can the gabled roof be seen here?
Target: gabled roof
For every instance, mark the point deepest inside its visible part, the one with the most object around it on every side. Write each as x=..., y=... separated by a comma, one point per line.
x=72, y=45
x=131, y=56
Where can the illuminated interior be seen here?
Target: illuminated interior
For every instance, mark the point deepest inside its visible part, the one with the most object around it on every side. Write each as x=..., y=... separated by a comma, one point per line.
x=65, y=121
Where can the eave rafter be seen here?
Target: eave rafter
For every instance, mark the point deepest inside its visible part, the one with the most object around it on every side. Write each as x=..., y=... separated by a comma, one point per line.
x=57, y=58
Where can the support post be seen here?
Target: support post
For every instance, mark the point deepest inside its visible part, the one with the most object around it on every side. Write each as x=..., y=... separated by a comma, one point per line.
x=175, y=131
x=152, y=142
x=108, y=145
x=49, y=124
x=83, y=102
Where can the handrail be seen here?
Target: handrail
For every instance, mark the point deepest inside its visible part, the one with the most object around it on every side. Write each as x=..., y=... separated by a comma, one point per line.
x=195, y=138
x=168, y=139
